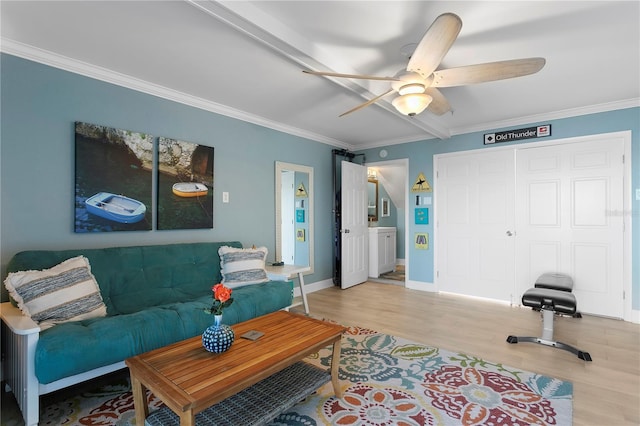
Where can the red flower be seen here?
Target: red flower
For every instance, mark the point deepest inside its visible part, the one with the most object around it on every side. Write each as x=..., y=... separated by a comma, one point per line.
x=221, y=299
x=221, y=293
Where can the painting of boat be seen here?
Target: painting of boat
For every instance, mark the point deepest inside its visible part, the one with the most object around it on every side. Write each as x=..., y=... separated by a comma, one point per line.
x=190, y=189
x=117, y=208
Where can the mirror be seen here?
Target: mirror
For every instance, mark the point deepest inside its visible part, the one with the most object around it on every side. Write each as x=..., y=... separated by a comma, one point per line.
x=372, y=204
x=294, y=214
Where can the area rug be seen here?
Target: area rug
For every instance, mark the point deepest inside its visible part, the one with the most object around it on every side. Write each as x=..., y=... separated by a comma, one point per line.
x=386, y=380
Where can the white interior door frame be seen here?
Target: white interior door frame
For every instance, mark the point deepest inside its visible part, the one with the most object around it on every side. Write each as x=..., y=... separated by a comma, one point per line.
x=629, y=314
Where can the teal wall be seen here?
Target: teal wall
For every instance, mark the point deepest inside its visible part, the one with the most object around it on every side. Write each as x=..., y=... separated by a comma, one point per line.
x=420, y=155
x=39, y=107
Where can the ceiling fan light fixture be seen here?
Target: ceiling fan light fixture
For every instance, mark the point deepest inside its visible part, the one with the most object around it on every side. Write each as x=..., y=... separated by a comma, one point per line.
x=405, y=78
x=408, y=89
x=412, y=104
x=422, y=74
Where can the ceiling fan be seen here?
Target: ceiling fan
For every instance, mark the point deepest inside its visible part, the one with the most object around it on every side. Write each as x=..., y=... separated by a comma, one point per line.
x=417, y=87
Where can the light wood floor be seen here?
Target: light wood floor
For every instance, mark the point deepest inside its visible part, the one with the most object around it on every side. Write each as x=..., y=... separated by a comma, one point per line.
x=606, y=390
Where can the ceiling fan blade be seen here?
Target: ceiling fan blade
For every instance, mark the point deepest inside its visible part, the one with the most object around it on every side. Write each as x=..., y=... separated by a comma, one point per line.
x=439, y=105
x=491, y=71
x=358, y=76
x=435, y=43
x=366, y=104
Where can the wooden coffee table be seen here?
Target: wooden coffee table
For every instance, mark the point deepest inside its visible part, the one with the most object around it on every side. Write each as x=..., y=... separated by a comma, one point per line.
x=188, y=379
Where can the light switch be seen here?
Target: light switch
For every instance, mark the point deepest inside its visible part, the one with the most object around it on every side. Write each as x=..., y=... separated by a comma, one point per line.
x=225, y=197
x=637, y=194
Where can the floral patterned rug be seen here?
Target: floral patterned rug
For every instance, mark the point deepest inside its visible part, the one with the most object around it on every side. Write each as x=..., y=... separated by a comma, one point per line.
x=386, y=380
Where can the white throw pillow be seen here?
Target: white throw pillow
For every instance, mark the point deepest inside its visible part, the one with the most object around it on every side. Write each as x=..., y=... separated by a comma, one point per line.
x=63, y=293
x=242, y=266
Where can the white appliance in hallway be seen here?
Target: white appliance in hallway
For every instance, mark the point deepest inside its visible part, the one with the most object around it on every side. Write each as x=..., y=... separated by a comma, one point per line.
x=382, y=250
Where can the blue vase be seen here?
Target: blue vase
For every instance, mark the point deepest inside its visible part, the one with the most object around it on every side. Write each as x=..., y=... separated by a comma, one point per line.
x=218, y=337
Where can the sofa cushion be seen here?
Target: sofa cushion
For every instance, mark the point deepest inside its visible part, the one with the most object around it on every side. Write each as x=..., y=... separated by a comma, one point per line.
x=138, y=277
x=243, y=266
x=63, y=293
x=76, y=347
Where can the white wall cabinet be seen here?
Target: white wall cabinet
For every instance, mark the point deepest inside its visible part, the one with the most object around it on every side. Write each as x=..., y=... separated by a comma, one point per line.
x=382, y=250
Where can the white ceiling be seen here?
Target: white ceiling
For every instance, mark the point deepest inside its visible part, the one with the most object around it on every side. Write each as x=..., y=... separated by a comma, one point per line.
x=244, y=59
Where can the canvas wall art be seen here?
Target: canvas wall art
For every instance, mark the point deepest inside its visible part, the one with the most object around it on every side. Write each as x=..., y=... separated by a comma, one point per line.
x=185, y=185
x=113, y=179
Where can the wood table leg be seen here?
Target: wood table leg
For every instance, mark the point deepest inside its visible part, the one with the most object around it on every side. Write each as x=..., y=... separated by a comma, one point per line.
x=187, y=418
x=139, y=400
x=335, y=367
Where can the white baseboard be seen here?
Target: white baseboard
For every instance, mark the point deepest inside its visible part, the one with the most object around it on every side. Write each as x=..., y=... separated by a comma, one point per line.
x=310, y=288
x=422, y=286
x=431, y=287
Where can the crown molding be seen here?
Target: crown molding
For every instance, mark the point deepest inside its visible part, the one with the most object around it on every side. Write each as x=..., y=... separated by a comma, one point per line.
x=45, y=57
x=555, y=115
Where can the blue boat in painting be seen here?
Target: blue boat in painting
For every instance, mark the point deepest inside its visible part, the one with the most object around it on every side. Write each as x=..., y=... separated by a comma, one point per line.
x=116, y=207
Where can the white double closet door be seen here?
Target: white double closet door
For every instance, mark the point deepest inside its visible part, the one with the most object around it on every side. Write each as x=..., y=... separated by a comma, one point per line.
x=505, y=216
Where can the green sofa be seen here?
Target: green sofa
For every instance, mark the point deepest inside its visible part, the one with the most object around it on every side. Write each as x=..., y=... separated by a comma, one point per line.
x=155, y=295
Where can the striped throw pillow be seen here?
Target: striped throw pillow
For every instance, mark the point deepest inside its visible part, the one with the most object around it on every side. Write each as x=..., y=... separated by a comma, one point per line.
x=63, y=293
x=242, y=266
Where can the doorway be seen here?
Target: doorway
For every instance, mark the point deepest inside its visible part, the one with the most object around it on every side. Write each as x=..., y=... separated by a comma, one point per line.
x=393, y=182
x=550, y=209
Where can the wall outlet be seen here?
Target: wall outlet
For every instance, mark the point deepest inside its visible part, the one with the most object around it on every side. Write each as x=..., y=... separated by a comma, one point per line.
x=225, y=197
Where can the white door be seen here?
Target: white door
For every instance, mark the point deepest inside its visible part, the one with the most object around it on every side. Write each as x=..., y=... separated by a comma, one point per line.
x=569, y=220
x=354, y=230
x=287, y=227
x=475, y=224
